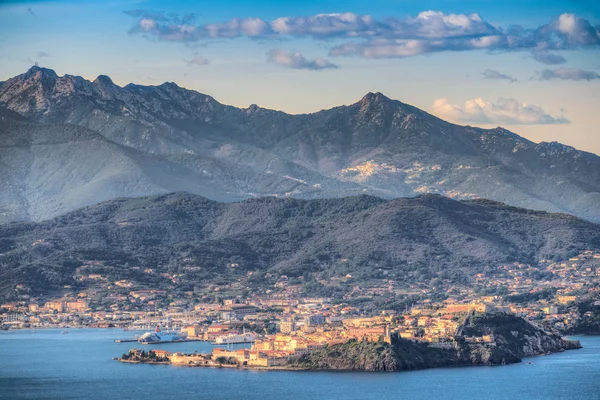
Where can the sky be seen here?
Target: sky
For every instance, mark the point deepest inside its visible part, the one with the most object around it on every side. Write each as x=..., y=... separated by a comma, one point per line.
x=530, y=66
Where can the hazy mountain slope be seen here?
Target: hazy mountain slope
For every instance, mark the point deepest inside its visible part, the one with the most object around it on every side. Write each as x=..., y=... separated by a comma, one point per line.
x=197, y=238
x=47, y=170
x=382, y=146
x=392, y=146
x=64, y=167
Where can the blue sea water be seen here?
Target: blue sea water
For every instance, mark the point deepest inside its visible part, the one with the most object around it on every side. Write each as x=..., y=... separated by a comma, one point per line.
x=48, y=365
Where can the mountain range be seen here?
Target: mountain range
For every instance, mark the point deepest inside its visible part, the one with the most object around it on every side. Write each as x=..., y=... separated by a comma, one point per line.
x=66, y=143
x=187, y=240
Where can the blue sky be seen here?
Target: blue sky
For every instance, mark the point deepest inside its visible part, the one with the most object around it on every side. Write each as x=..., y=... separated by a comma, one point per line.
x=531, y=66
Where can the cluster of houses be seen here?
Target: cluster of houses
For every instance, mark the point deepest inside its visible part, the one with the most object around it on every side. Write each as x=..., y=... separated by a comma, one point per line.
x=550, y=290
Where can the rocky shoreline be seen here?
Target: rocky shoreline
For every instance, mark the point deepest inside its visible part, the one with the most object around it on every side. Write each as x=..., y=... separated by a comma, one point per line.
x=485, y=340
x=488, y=339
x=406, y=365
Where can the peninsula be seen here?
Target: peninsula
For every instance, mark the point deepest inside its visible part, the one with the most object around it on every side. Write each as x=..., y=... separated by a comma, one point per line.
x=481, y=339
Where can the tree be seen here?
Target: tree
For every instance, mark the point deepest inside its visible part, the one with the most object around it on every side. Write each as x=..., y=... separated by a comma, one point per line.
x=221, y=360
x=232, y=361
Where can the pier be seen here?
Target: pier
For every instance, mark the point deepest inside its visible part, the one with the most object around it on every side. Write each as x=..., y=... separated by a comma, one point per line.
x=159, y=342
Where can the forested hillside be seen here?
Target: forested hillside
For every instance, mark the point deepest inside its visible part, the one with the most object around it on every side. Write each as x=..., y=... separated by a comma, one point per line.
x=202, y=241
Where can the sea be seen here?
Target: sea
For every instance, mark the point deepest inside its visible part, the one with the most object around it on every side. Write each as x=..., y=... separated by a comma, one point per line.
x=45, y=364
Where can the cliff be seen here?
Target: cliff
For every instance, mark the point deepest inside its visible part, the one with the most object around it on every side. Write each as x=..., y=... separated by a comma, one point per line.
x=509, y=338
x=350, y=356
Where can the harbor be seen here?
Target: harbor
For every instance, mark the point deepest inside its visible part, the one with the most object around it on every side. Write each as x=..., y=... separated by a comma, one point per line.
x=86, y=351
x=214, y=334
x=159, y=342
x=159, y=336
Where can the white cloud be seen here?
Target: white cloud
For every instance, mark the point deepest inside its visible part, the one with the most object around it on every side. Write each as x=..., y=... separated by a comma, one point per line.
x=574, y=74
x=548, y=58
x=399, y=48
x=382, y=48
x=576, y=30
x=492, y=74
x=438, y=25
x=427, y=32
x=427, y=24
x=503, y=112
x=198, y=61
x=295, y=60
x=327, y=25
x=147, y=24
x=249, y=27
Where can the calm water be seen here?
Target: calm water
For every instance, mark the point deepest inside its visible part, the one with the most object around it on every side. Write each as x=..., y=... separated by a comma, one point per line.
x=47, y=365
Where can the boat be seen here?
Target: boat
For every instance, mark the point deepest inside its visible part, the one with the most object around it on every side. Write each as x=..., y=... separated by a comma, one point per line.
x=236, y=338
x=159, y=336
x=64, y=332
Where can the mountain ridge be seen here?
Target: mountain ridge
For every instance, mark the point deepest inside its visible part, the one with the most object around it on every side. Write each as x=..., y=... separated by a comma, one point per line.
x=411, y=239
x=376, y=145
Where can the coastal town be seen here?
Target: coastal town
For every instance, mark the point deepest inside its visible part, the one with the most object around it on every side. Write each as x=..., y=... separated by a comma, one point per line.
x=546, y=293
x=281, y=323
x=297, y=336
x=448, y=328
x=300, y=200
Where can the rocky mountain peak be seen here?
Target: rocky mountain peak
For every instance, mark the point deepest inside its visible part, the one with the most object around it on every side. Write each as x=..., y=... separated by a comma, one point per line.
x=252, y=108
x=374, y=98
x=376, y=145
x=104, y=81
x=375, y=108
x=28, y=92
x=106, y=86
x=38, y=72
x=170, y=85
x=554, y=148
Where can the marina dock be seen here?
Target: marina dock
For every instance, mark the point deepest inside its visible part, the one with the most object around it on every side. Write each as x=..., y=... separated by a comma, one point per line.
x=159, y=342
